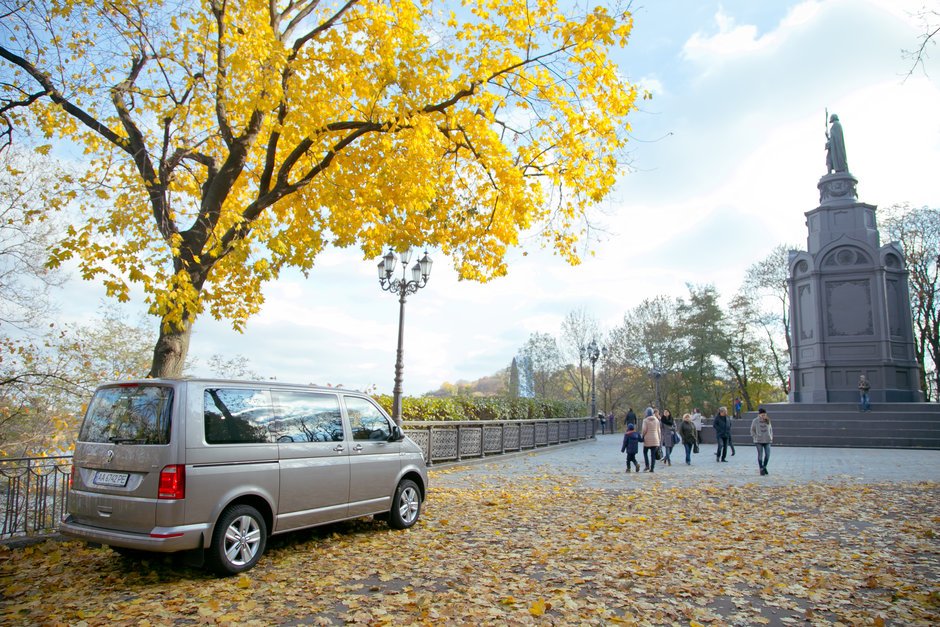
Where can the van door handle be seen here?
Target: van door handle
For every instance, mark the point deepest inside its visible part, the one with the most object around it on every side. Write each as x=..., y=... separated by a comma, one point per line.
x=357, y=448
x=338, y=448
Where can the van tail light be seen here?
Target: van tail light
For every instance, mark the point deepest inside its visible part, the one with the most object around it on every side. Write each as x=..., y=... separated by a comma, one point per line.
x=172, y=482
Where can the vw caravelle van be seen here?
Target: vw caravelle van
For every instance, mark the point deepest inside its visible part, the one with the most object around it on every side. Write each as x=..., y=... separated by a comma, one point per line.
x=215, y=467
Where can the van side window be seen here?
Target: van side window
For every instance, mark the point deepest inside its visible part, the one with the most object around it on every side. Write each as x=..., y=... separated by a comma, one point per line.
x=306, y=417
x=235, y=416
x=366, y=420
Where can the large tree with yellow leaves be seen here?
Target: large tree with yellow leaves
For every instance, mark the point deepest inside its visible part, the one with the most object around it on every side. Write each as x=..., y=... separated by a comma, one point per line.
x=229, y=139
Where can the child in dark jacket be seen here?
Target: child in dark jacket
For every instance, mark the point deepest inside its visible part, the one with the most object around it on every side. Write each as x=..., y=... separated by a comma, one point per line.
x=631, y=444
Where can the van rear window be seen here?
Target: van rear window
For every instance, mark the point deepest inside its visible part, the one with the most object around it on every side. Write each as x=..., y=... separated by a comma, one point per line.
x=133, y=414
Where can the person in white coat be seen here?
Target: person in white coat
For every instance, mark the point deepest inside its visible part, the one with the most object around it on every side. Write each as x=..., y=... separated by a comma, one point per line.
x=652, y=435
x=697, y=421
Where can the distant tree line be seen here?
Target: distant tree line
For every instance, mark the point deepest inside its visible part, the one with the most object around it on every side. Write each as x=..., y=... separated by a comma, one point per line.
x=691, y=352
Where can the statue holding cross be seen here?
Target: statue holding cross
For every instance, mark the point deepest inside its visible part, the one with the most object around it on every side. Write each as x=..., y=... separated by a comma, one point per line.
x=836, y=160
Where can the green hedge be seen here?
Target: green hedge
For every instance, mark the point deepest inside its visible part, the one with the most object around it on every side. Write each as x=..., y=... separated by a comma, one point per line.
x=483, y=408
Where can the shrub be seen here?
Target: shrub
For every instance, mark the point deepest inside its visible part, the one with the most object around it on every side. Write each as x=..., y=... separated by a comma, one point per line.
x=429, y=408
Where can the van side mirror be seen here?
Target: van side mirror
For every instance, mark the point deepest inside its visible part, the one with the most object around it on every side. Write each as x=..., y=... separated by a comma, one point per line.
x=396, y=434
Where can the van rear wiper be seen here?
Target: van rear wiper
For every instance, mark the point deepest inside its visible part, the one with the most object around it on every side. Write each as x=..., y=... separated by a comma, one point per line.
x=126, y=440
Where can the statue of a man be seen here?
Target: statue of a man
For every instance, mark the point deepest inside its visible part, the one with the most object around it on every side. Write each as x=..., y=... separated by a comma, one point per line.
x=835, y=146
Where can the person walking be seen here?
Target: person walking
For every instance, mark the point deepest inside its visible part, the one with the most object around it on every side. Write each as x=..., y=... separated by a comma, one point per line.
x=651, y=434
x=722, y=425
x=631, y=444
x=697, y=421
x=603, y=420
x=669, y=427
x=630, y=417
x=610, y=422
x=763, y=434
x=864, y=396
x=730, y=435
x=689, y=437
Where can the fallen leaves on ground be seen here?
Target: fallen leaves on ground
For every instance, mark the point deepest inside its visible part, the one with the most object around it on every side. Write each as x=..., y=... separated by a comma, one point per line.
x=541, y=553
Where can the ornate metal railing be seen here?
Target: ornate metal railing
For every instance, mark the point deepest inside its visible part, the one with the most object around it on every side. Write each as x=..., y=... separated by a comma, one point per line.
x=33, y=493
x=34, y=490
x=455, y=441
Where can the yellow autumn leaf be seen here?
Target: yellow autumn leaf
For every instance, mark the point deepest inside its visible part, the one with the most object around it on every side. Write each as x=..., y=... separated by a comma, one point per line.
x=537, y=608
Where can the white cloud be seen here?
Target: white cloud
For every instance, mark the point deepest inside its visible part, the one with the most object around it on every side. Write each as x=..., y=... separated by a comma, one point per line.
x=801, y=14
x=729, y=41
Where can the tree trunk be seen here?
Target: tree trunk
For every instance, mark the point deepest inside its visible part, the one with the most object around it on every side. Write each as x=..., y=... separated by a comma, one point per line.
x=169, y=355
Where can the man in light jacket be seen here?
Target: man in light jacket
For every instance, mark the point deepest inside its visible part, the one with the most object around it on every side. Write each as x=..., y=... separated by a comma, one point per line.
x=763, y=434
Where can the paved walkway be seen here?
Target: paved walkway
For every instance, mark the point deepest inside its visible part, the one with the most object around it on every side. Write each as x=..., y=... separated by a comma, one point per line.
x=599, y=464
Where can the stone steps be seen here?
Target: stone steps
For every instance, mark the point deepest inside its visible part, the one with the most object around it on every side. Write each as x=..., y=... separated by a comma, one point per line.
x=887, y=425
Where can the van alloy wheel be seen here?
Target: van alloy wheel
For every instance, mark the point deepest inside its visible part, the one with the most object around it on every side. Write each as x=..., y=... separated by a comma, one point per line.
x=406, y=505
x=238, y=540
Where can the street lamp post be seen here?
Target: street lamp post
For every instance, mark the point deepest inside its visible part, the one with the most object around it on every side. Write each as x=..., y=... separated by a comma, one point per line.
x=402, y=287
x=656, y=372
x=593, y=354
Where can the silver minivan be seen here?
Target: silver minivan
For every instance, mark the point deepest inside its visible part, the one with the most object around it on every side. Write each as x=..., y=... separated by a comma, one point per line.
x=215, y=467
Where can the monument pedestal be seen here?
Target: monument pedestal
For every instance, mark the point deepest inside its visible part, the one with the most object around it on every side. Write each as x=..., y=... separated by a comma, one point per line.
x=849, y=306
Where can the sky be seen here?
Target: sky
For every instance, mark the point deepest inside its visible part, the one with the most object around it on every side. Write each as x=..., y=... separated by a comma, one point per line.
x=724, y=164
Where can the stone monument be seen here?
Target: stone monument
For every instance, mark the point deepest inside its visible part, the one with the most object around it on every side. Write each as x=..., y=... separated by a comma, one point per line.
x=850, y=310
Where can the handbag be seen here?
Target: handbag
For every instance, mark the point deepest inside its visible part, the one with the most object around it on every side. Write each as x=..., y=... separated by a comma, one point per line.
x=675, y=438
x=695, y=448
x=659, y=453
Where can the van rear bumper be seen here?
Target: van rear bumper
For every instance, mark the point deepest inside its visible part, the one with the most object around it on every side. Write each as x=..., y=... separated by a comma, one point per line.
x=160, y=539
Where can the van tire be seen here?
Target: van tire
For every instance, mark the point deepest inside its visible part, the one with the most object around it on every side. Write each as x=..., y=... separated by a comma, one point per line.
x=238, y=540
x=406, y=505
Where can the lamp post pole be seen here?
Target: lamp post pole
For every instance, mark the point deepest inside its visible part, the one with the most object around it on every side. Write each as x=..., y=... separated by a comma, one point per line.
x=656, y=373
x=593, y=354
x=402, y=288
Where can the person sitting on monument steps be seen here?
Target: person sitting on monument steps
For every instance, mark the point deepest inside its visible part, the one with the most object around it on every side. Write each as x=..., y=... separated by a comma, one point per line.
x=763, y=434
x=722, y=425
x=863, y=393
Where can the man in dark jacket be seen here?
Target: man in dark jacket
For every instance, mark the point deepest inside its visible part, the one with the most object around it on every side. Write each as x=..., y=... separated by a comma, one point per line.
x=722, y=425
x=630, y=418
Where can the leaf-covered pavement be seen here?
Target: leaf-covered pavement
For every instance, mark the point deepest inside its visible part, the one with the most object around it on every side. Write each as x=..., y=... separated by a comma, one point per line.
x=546, y=552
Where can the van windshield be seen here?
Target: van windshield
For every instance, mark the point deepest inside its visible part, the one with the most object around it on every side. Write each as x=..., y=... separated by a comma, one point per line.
x=132, y=414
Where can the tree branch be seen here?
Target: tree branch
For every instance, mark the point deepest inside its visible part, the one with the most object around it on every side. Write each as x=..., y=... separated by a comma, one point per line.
x=221, y=114
x=296, y=21
x=80, y=114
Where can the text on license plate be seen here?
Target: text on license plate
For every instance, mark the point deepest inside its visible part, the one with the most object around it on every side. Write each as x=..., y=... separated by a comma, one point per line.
x=118, y=479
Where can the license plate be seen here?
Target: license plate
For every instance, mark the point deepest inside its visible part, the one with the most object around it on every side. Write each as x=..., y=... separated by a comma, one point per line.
x=114, y=479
